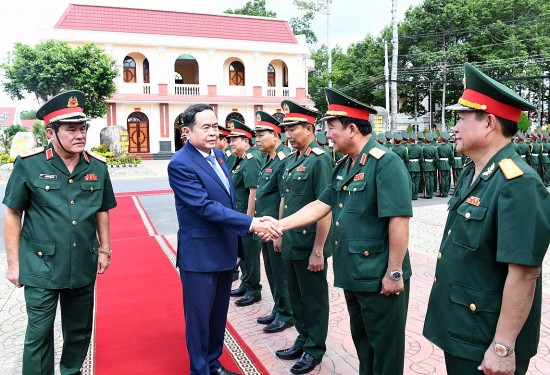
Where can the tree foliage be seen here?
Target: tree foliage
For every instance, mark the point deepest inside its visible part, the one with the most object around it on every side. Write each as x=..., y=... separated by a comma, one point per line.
x=12, y=130
x=28, y=115
x=52, y=67
x=39, y=131
x=253, y=8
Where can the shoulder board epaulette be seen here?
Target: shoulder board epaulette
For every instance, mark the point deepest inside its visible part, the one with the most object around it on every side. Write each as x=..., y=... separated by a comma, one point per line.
x=96, y=156
x=31, y=152
x=228, y=153
x=317, y=151
x=341, y=159
x=281, y=155
x=510, y=169
x=249, y=156
x=376, y=152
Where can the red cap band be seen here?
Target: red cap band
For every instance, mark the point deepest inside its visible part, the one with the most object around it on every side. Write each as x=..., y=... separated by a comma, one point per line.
x=242, y=132
x=64, y=111
x=224, y=132
x=292, y=117
x=273, y=127
x=350, y=112
x=491, y=105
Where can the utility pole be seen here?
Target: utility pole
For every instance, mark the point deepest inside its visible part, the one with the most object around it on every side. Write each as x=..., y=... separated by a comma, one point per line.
x=387, y=77
x=395, y=46
x=329, y=66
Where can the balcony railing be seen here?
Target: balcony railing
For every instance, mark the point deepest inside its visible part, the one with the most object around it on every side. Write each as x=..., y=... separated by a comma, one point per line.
x=277, y=91
x=135, y=88
x=187, y=90
x=234, y=91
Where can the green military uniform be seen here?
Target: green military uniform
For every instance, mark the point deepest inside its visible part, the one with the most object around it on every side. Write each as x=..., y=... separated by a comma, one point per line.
x=388, y=137
x=534, y=156
x=445, y=161
x=244, y=173
x=545, y=159
x=58, y=247
x=523, y=148
x=306, y=176
x=399, y=149
x=415, y=159
x=481, y=239
x=268, y=199
x=364, y=195
x=458, y=164
x=429, y=166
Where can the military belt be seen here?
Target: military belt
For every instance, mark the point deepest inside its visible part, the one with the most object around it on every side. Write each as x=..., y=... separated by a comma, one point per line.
x=443, y=159
x=545, y=154
x=458, y=158
x=429, y=160
x=413, y=159
x=535, y=155
x=523, y=156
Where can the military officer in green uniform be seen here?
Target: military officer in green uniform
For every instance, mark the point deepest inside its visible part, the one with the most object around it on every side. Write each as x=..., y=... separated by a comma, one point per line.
x=65, y=195
x=370, y=200
x=429, y=165
x=534, y=156
x=445, y=157
x=399, y=149
x=305, y=250
x=523, y=148
x=268, y=200
x=245, y=173
x=485, y=305
x=223, y=144
x=415, y=159
x=545, y=158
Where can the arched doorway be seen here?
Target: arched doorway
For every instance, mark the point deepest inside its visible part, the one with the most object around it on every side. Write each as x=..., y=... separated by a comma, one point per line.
x=233, y=116
x=138, y=133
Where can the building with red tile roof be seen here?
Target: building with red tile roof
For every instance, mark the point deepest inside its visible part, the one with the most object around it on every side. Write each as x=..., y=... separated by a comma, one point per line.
x=169, y=60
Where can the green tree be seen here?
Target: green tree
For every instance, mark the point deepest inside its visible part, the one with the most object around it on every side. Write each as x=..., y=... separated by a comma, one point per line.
x=253, y=8
x=39, y=131
x=302, y=26
x=524, y=124
x=12, y=130
x=52, y=67
x=28, y=115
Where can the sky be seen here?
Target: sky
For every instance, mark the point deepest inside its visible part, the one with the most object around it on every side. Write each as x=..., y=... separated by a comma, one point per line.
x=350, y=20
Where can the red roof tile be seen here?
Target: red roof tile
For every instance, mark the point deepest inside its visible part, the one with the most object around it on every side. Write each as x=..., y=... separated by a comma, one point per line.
x=142, y=21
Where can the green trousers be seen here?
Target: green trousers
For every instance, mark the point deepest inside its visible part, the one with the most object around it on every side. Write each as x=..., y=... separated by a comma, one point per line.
x=378, y=330
x=308, y=293
x=415, y=178
x=429, y=184
x=77, y=306
x=276, y=276
x=250, y=266
x=444, y=183
x=463, y=366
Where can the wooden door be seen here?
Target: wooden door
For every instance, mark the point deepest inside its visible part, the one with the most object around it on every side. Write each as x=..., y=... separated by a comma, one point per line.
x=138, y=134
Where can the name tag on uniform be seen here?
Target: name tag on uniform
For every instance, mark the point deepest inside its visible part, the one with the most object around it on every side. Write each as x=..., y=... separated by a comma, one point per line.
x=44, y=176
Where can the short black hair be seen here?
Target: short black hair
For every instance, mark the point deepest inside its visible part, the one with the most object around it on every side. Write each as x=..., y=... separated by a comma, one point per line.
x=364, y=126
x=509, y=127
x=188, y=116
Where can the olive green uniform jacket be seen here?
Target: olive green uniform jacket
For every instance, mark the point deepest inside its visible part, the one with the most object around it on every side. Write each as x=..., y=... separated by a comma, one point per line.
x=58, y=248
x=501, y=218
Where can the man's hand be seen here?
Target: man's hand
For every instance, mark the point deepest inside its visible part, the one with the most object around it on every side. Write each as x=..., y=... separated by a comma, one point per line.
x=267, y=228
x=102, y=263
x=12, y=275
x=278, y=244
x=494, y=364
x=316, y=263
x=390, y=286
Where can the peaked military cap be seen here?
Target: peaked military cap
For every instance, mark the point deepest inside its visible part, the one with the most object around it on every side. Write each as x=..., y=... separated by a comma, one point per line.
x=63, y=108
x=428, y=137
x=264, y=121
x=483, y=93
x=297, y=114
x=381, y=137
x=445, y=136
x=520, y=135
x=240, y=130
x=420, y=136
x=341, y=105
x=223, y=131
x=397, y=138
x=388, y=135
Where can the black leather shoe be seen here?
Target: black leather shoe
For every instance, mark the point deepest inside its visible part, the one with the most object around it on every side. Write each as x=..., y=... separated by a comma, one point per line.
x=247, y=300
x=305, y=364
x=239, y=292
x=293, y=352
x=266, y=319
x=223, y=371
x=277, y=326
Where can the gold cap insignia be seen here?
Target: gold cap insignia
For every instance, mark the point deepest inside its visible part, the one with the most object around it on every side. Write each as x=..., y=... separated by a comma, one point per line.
x=258, y=117
x=73, y=102
x=286, y=109
x=464, y=82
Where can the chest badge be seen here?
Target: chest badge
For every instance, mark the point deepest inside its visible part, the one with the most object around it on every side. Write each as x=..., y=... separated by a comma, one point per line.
x=301, y=168
x=268, y=170
x=473, y=200
x=44, y=176
x=90, y=177
x=359, y=177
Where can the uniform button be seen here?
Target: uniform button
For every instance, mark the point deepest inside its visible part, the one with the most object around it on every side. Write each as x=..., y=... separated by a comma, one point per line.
x=336, y=243
x=255, y=212
x=47, y=188
x=255, y=198
x=449, y=232
x=286, y=206
x=366, y=253
x=74, y=222
x=337, y=224
x=439, y=255
x=267, y=178
x=70, y=181
x=304, y=232
x=435, y=280
x=289, y=174
x=39, y=253
x=340, y=205
x=467, y=216
x=345, y=188
x=473, y=307
x=91, y=188
x=75, y=244
x=287, y=190
x=354, y=189
x=71, y=202
x=299, y=178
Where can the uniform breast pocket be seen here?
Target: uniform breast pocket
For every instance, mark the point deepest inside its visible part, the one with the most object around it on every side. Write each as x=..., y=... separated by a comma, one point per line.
x=39, y=259
x=368, y=259
x=91, y=193
x=300, y=183
x=468, y=226
x=356, y=202
x=48, y=192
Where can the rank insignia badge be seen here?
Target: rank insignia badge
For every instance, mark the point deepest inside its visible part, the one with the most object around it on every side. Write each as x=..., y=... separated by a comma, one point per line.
x=301, y=168
x=359, y=177
x=473, y=200
x=90, y=177
x=489, y=170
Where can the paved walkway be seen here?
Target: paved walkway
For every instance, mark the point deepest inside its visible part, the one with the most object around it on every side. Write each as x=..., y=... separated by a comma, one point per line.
x=421, y=356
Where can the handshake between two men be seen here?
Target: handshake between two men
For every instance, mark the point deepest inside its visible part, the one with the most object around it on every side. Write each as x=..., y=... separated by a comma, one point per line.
x=267, y=228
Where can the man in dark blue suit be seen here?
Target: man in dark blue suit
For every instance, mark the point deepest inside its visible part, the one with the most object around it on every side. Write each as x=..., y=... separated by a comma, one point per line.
x=209, y=237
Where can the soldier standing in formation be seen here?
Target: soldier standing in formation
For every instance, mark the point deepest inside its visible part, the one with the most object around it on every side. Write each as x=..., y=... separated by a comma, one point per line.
x=445, y=161
x=545, y=159
x=399, y=149
x=65, y=195
x=415, y=160
x=535, y=149
x=245, y=173
x=429, y=166
x=305, y=249
x=268, y=200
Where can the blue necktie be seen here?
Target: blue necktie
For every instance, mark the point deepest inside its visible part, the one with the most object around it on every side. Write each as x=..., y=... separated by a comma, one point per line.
x=218, y=171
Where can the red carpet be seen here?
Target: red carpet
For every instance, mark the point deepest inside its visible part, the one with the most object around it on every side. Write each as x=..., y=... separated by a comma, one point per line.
x=139, y=310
